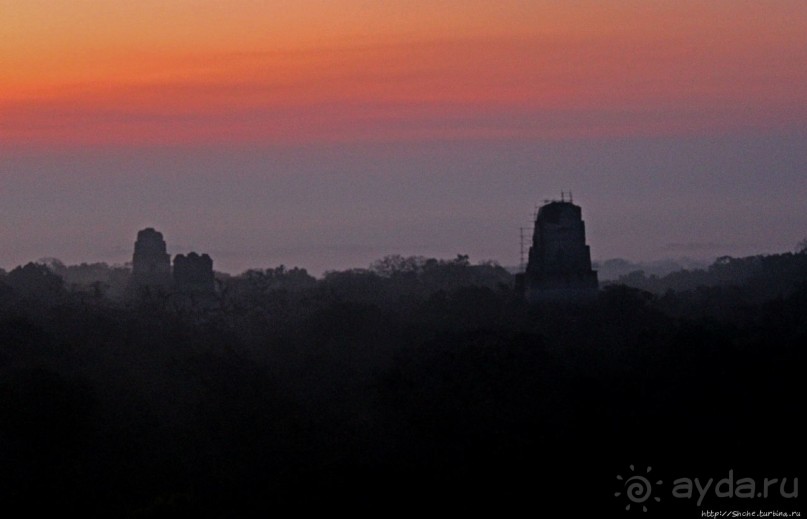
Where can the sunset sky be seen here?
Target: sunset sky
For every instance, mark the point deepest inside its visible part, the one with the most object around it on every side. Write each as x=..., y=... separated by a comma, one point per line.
x=327, y=134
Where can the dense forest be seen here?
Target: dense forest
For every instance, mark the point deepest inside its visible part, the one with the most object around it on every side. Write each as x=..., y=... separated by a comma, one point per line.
x=414, y=386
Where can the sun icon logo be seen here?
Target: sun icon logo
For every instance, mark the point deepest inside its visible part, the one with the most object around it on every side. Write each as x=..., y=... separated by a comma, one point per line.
x=638, y=488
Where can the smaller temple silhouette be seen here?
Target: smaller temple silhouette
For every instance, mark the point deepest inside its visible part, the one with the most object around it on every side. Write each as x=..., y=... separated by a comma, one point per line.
x=151, y=264
x=559, y=265
x=194, y=273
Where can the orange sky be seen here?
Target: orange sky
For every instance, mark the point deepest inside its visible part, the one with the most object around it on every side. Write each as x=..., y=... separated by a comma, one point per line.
x=95, y=72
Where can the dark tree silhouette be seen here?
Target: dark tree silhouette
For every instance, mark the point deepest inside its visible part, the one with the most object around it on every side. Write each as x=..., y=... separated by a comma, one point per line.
x=417, y=384
x=35, y=280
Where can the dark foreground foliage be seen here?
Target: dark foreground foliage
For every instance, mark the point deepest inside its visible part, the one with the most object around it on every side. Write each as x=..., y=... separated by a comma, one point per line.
x=414, y=387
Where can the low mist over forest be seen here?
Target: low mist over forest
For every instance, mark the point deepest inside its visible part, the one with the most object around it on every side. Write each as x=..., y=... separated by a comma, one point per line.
x=416, y=386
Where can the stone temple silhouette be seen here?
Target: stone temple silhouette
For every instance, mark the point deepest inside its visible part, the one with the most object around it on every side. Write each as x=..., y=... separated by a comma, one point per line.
x=151, y=264
x=151, y=267
x=194, y=273
x=559, y=266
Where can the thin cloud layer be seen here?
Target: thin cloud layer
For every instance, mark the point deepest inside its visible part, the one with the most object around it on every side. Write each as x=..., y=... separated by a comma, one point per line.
x=643, y=72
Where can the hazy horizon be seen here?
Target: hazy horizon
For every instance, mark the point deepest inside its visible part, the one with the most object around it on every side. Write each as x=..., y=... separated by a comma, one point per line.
x=261, y=208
